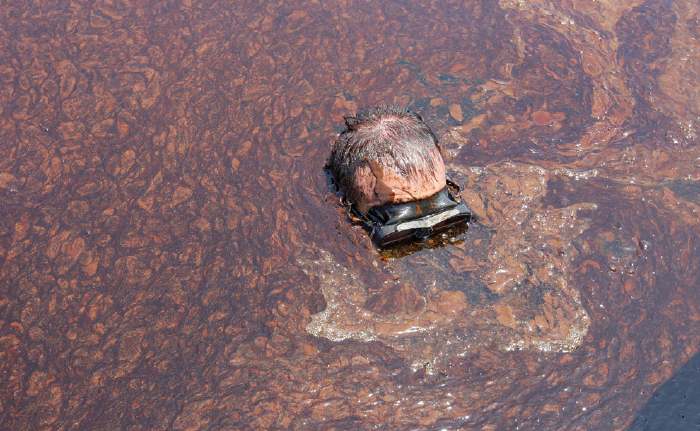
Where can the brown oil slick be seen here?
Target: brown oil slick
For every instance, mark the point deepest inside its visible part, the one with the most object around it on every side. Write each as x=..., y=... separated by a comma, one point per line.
x=171, y=256
x=516, y=276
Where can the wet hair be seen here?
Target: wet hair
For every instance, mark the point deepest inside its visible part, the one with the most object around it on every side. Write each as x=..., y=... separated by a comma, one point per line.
x=394, y=137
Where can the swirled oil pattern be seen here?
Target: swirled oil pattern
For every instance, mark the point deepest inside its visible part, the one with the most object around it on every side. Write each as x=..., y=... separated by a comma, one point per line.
x=160, y=183
x=507, y=288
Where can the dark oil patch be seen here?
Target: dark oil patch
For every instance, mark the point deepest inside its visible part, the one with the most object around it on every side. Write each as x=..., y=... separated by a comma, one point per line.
x=161, y=181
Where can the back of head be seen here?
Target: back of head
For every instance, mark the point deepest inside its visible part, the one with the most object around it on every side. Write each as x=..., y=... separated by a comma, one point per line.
x=386, y=155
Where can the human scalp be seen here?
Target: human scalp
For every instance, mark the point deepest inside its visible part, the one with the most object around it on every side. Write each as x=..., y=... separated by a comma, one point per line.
x=393, y=137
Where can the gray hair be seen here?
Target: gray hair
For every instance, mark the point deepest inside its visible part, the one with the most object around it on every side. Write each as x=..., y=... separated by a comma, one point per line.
x=372, y=135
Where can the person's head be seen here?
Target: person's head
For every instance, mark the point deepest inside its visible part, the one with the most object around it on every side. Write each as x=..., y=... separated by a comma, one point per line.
x=386, y=155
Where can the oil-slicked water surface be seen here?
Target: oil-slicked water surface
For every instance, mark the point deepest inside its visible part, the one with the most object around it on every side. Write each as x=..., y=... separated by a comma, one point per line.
x=171, y=256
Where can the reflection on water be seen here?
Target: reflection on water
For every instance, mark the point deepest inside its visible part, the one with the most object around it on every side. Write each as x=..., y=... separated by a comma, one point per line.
x=167, y=239
x=675, y=406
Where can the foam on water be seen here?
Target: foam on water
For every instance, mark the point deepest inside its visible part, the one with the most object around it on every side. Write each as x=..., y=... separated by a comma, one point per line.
x=521, y=266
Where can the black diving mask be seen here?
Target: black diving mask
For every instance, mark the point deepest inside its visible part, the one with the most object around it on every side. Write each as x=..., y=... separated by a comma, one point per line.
x=392, y=224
